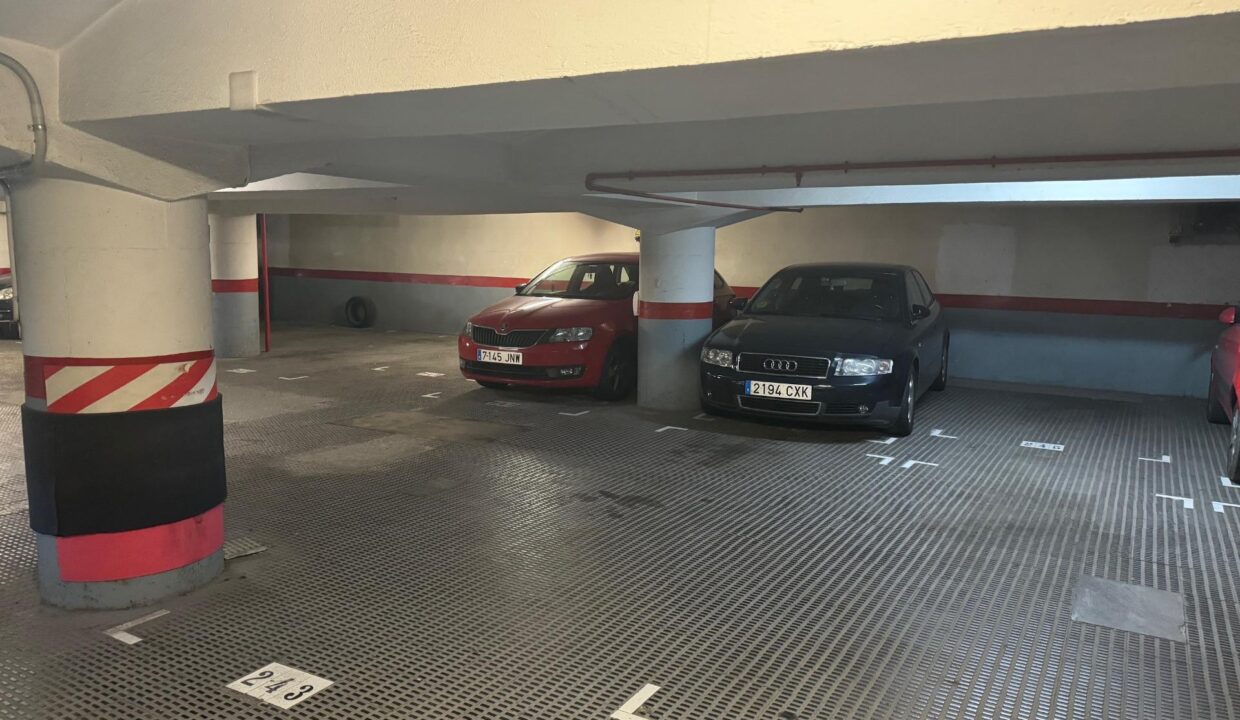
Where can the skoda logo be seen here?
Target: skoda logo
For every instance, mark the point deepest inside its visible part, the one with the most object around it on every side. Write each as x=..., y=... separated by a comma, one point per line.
x=503, y=328
x=779, y=365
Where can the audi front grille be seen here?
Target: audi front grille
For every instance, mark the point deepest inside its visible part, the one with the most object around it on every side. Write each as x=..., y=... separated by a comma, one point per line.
x=789, y=365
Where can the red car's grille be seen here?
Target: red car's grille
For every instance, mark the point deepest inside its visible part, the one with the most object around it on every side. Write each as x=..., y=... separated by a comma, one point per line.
x=515, y=339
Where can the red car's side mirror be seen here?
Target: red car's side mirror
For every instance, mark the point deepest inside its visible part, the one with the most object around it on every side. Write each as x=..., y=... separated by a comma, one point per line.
x=1228, y=316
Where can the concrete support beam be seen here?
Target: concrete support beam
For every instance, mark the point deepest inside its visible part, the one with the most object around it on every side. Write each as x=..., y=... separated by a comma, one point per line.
x=122, y=424
x=677, y=279
x=234, y=285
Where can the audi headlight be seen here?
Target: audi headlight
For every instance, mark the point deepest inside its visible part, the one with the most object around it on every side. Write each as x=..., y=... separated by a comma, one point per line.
x=578, y=334
x=468, y=330
x=862, y=366
x=715, y=356
x=6, y=293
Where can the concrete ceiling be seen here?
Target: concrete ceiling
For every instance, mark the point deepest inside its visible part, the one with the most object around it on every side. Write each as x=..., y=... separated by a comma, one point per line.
x=527, y=145
x=50, y=23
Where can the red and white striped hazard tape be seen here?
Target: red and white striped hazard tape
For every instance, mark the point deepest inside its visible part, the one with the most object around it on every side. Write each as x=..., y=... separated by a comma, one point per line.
x=80, y=385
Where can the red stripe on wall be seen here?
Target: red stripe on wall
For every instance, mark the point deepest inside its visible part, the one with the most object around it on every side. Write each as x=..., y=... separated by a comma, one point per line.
x=1127, y=308
x=675, y=311
x=423, y=278
x=235, y=286
x=107, y=557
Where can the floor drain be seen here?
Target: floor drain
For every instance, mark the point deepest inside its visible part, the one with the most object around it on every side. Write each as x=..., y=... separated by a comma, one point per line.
x=240, y=547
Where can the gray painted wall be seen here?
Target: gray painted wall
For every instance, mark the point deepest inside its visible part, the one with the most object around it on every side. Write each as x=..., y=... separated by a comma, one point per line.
x=399, y=306
x=1128, y=354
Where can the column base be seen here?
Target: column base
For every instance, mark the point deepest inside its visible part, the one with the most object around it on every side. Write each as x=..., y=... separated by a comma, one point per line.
x=238, y=333
x=119, y=594
x=668, y=358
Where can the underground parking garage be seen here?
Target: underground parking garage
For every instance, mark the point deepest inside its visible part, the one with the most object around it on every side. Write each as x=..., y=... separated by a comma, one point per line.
x=774, y=363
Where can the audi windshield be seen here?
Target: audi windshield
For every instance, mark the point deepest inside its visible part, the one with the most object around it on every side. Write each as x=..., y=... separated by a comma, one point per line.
x=585, y=280
x=819, y=292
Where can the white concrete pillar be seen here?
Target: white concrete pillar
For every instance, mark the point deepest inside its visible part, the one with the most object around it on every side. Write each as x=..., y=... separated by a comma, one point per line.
x=234, y=285
x=122, y=422
x=6, y=265
x=677, y=278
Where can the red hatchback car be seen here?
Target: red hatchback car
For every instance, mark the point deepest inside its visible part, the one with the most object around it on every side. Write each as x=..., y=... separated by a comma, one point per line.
x=572, y=326
x=1224, y=382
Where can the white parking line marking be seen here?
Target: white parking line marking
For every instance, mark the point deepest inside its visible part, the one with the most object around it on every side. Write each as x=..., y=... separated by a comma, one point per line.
x=241, y=371
x=882, y=459
x=910, y=463
x=703, y=417
x=888, y=441
x=381, y=368
x=119, y=633
x=628, y=711
x=1188, y=502
x=1041, y=445
x=1226, y=481
x=576, y=414
x=430, y=374
x=1163, y=459
x=938, y=433
x=1218, y=506
x=299, y=377
x=670, y=427
x=434, y=395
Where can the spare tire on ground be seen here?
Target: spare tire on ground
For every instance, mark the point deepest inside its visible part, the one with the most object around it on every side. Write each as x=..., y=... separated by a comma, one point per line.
x=359, y=312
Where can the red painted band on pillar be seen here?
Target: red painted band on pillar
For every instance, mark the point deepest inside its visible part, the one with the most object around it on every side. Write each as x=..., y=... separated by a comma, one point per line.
x=235, y=286
x=121, y=371
x=675, y=311
x=107, y=557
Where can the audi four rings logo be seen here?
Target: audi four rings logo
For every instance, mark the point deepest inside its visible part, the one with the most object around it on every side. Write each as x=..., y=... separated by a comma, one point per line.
x=780, y=365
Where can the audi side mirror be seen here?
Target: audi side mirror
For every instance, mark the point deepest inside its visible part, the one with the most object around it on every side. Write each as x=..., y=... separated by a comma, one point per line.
x=738, y=304
x=519, y=288
x=920, y=312
x=1228, y=316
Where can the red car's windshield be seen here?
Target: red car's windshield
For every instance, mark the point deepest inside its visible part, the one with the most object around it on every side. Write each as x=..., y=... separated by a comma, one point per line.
x=585, y=280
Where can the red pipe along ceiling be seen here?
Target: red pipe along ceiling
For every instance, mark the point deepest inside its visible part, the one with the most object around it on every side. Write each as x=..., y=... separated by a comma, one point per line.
x=594, y=180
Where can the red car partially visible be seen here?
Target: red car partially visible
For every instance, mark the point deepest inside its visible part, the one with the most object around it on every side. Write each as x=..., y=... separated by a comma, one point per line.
x=572, y=326
x=1224, y=382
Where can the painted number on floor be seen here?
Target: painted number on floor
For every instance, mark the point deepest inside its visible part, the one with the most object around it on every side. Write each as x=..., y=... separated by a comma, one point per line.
x=279, y=685
x=1042, y=446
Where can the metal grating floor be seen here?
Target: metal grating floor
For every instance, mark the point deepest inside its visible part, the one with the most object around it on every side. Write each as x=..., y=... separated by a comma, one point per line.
x=444, y=557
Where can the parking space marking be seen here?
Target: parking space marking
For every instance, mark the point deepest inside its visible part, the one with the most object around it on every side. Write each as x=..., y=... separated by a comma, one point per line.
x=1163, y=459
x=279, y=685
x=299, y=377
x=1226, y=481
x=703, y=417
x=119, y=633
x=428, y=373
x=1188, y=502
x=910, y=463
x=576, y=414
x=628, y=711
x=241, y=371
x=1218, y=506
x=1041, y=445
x=435, y=395
x=888, y=441
x=882, y=459
x=381, y=368
x=670, y=427
x=938, y=433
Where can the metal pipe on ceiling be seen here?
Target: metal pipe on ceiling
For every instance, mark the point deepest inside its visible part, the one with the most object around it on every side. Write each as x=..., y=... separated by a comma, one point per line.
x=38, y=123
x=594, y=184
